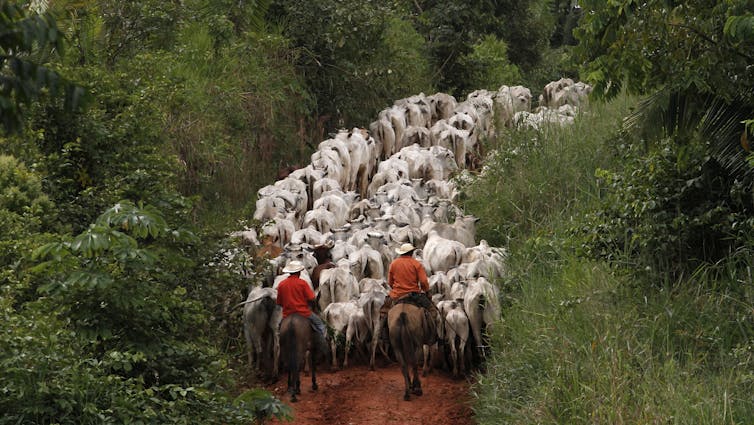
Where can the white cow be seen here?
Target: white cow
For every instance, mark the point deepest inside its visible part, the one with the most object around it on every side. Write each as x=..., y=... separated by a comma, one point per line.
x=337, y=316
x=308, y=236
x=456, y=335
x=320, y=219
x=269, y=207
x=261, y=319
x=396, y=115
x=482, y=306
x=564, y=92
x=382, y=130
x=337, y=284
x=442, y=106
x=323, y=185
x=367, y=262
x=415, y=134
x=371, y=303
x=369, y=284
x=510, y=100
x=442, y=254
x=336, y=205
x=463, y=229
x=278, y=231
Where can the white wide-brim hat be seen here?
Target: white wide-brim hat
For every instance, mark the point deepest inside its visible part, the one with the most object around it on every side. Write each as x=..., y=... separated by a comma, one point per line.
x=293, y=267
x=406, y=247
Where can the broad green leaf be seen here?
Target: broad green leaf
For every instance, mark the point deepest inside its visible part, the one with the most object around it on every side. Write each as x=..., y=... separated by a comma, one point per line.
x=88, y=279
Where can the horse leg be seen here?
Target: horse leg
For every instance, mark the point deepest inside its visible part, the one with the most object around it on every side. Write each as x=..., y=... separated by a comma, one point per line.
x=292, y=382
x=275, y=354
x=406, y=379
x=315, y=387
x=416, y=385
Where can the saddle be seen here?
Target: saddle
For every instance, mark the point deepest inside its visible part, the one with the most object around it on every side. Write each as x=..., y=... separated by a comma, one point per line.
x=423, y=302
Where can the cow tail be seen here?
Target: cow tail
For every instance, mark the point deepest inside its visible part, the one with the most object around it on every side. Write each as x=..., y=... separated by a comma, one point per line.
x=407, y=342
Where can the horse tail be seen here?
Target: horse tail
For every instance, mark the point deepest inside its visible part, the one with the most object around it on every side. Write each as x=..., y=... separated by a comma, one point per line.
x=407, y=342
x=288, y=339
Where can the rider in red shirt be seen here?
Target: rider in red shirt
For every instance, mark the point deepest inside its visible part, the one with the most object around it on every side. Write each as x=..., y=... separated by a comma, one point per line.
x=296, y=297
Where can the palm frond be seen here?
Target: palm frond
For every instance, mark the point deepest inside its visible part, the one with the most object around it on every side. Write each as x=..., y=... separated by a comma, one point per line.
x=723, y=127
x=689, y=115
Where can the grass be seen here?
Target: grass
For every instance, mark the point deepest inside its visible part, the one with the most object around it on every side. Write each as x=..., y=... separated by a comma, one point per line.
x=585, y=342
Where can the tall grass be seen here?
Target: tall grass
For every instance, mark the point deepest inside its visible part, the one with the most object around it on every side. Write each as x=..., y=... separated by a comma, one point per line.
x=535, y=179
x=585, y=342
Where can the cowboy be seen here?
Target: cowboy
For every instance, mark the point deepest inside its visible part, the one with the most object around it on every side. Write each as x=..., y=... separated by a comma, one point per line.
x=296, y=297
x=408, y=279
x=408, y=282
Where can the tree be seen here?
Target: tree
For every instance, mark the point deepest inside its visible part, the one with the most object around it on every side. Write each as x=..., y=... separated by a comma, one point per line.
x=26, y=40
x=693, y=62
x=648, y=45
x=454, y=29
x=354, y=55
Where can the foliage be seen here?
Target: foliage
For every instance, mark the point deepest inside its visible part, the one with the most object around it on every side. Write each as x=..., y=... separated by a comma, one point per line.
x=49, y=377
x=523, y=25
x=696, y=67
x=488, y=65
x=25, y=212
x=532, y=179
x=582, y=345
x=591, y=341
x=253, y=108
x=122, y=341
x=264, y=404
x=672, y=212
x=26, y=39
x=21, y=190
x=686, y=48
x=346, y=58
x=109, y=151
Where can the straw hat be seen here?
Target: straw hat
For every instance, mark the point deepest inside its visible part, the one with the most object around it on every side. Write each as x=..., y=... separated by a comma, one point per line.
x=293, y=267
x=405, y=248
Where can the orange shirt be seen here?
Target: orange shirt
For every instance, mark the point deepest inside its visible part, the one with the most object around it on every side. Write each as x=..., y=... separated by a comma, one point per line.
x=294, y=295
x=406, y=275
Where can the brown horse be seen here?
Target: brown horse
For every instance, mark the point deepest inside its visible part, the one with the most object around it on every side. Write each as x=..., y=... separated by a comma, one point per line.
x=409, y=329
x=296, y=340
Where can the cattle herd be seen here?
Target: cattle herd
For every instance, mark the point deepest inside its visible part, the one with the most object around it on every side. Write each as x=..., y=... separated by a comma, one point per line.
x=366, y=192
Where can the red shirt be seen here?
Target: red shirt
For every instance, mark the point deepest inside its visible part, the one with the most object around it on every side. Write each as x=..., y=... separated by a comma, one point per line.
x=294, y=295
x=406, y=275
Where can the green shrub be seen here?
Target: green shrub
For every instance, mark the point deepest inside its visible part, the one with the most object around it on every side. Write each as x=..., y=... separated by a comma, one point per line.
x=668, y=212
x=488, y=65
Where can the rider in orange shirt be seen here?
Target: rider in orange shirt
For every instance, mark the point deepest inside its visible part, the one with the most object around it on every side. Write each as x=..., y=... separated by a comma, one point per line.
x=296, y=297
x=408, y=279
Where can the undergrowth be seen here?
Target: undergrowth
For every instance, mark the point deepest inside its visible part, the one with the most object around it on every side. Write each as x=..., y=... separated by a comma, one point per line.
x=588, y=341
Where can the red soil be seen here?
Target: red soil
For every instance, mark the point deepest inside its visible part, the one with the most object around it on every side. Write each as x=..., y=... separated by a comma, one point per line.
x=359, y=396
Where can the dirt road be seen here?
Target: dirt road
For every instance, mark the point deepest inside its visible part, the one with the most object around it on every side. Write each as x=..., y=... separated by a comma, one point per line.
x=359, y=396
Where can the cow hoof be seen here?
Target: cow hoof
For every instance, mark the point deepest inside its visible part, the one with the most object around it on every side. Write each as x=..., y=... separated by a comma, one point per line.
x=294, y=399
x=315, y=387
x=418, y=391
x=406, y=397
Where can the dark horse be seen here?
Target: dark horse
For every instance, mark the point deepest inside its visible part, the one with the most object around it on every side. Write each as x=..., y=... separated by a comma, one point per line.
x=296, y=338
x=409, y=328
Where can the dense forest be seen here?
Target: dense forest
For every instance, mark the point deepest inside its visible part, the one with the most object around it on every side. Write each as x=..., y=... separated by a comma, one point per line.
x=135, y=134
